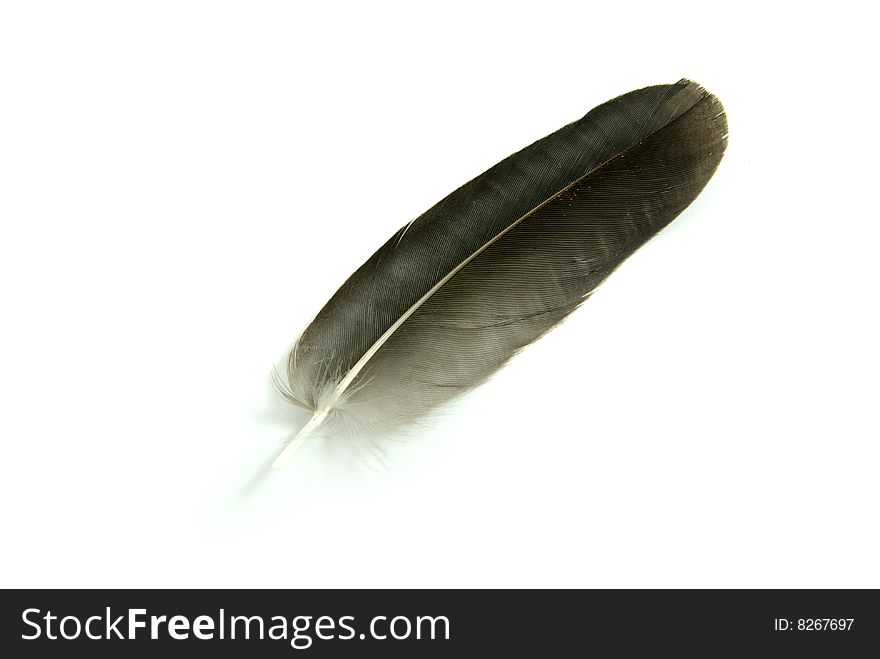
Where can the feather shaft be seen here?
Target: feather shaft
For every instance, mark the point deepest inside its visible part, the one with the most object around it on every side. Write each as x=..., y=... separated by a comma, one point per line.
x=299, y=439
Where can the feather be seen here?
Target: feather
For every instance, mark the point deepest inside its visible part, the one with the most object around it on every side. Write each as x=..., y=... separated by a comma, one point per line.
x=454, y=294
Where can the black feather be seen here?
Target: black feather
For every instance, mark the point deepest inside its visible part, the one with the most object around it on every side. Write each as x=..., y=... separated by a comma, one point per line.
x=500, y=261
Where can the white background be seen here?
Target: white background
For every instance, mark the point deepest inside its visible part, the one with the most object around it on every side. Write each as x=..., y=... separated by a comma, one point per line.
x=184, y=184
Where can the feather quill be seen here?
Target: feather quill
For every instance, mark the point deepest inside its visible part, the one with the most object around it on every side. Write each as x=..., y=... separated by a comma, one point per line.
x=454, y=294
